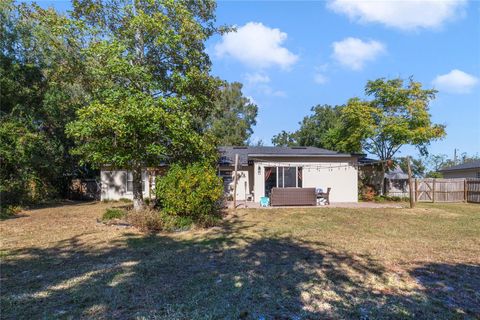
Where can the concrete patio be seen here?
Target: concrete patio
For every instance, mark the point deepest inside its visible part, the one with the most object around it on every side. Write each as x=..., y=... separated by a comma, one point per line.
x=373, y=205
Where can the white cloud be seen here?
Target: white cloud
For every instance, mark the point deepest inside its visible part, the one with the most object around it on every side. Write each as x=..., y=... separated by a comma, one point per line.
x=269, y=91
x=354, y=53
x=456, y=81
x=405, y=15
x=319, y=76
x=256, y=45
x=260, y=82
x=254, y=78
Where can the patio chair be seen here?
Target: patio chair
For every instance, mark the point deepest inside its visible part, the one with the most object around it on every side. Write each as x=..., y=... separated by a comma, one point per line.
x=264, y=201
x=325, y=195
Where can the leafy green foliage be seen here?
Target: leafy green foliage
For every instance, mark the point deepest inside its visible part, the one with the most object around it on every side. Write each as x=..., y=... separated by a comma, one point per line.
x=234, y=116
x=147, y=63
x=284, y=139
x=39, y=95
x=397, y=115
x=380, y=198
x=9, y=211
x=193, y=191
x=316, y=130
x=113, y=213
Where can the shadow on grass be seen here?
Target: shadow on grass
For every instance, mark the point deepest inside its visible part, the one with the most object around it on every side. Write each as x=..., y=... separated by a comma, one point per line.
x=50, y=204
x=227, y=275
x=61, y=203
x=13, y=216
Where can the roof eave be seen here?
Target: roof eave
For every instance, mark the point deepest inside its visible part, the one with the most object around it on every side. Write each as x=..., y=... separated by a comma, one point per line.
x=341, y=155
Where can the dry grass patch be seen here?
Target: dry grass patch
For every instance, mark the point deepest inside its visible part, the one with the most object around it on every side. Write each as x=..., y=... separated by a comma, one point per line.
x=273, y=264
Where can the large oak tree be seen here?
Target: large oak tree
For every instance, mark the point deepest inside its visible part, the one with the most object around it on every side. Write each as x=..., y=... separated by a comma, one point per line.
x=153, y=89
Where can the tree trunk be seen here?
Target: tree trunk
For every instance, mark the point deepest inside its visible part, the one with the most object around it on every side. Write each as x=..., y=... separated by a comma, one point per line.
x=382, y=180
x=138, y=203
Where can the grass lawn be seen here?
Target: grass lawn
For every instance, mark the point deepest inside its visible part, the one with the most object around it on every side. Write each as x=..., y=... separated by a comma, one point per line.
x=318, y=263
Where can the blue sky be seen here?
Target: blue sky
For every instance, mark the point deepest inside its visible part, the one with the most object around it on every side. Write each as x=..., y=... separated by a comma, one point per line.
x=291, y=56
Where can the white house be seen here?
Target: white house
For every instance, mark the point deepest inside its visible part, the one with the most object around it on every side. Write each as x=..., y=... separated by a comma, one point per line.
x=259, y=170
x=262, y=168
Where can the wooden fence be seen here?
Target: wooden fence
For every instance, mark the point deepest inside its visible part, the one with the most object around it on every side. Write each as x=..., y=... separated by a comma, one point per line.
x=447, y=190
x=473, y=190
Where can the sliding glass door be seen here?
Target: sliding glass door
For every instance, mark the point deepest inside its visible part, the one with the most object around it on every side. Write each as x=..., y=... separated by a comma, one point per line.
x=282, y=177
x=270, y=179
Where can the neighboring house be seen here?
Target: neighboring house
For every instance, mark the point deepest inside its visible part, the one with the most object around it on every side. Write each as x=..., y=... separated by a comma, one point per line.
x=395, y=180
x=259, y=170
x=469, y=169
x=262, y=168
x=396, y=183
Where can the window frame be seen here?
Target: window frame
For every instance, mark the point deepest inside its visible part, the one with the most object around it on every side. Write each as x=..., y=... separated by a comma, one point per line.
x=130, y=174
x=282, y=175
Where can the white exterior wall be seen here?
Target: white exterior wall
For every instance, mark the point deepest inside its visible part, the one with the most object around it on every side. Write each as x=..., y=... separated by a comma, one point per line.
x=244, y=176
x=342, y=177
x=114, y=185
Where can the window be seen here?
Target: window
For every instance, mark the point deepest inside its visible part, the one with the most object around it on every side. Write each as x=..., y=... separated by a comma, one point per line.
x=282, y=177
x=129, y=181
x=478, y=174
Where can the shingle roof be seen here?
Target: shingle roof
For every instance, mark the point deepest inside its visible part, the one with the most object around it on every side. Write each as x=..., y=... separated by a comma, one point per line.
x=244, y=153
x=467, y=165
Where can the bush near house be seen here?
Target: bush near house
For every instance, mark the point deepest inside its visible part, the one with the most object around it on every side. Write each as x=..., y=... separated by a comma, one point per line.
x=191, y=191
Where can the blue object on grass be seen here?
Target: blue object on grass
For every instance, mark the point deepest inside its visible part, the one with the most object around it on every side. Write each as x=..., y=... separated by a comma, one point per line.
x=264, y=201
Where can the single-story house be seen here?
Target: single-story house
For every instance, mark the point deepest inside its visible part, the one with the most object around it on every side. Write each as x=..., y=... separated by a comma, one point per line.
x=262, y=168
x=259, y=170
x=469, y=169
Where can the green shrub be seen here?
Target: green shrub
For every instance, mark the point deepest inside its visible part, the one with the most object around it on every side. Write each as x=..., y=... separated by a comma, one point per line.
x=113, y=213
x=9, y=211
x=390, y=198
x=193, y=191
x=393, y=198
